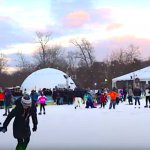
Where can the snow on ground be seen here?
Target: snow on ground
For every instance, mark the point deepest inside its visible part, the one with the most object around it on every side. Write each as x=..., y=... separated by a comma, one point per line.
x=63, y=127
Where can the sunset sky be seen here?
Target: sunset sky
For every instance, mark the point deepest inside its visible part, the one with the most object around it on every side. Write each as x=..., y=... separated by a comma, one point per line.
x=108, y=24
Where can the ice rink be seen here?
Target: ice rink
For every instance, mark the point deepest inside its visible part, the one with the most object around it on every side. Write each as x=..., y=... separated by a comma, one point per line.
x=63, y=127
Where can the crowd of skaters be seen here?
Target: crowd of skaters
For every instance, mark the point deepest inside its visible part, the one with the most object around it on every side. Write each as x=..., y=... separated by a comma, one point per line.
x=26, y=106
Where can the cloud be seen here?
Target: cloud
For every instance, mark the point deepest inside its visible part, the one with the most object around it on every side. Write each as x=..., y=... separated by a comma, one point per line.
x=114, y=26
x=12, y=32
x=76, y=19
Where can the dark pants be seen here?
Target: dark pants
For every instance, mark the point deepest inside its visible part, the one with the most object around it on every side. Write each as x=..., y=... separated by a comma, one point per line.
x=117, y=100
x=137, y=99
x=42, y=106
x=1, y=104
x=147, y=100
x=112, y=103
x=103, y=104
x=22, y=144
x=130, y=99
x=7, y=109
x=124, y=97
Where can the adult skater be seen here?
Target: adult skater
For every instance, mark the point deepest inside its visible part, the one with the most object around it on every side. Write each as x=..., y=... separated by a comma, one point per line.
x=112, y=95
x=137, y=95
x=130, y=95
x=78, y=99
x=147, y=94
x=25, y=108
x=8, y=97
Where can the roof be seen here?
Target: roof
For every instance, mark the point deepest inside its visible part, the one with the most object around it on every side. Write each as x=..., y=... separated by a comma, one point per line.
x=46, y=78
x=142, y=74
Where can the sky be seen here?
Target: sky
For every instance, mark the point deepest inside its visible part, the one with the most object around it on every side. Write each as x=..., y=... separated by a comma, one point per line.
x=108, y=24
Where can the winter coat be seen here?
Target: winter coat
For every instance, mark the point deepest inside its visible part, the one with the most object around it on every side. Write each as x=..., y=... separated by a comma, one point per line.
x=130, y=92
x=137, y=92
x=103, y=98
x=124, y=91
x=112, y=95
x=41, y=99
x=21, y=128
x=2, y=97
x=35, y=96
x=8, y=97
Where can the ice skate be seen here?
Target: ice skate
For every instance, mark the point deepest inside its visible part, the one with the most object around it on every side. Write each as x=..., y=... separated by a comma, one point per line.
x=5, y=114
x=40, y=113
x=44, y=113
x=145, y=106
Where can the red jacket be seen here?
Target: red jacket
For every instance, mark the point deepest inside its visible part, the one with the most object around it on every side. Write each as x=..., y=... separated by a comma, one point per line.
x=2, y=97
x=103, y=98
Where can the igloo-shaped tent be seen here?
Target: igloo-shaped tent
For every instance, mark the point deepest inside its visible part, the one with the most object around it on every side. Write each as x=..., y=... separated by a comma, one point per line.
x=46, y=78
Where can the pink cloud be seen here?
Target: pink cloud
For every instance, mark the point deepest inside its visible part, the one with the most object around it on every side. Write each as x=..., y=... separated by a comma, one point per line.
x=105, y=47
x=77, y=19
x=114, y=26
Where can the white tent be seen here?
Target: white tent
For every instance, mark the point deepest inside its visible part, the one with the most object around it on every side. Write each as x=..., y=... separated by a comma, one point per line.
x=46, y=78
x=142, y=74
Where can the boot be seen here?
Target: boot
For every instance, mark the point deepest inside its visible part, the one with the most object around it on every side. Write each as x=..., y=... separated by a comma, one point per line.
x=145, y=106
x=40, y=113
x=5, y=114
x=44, y=113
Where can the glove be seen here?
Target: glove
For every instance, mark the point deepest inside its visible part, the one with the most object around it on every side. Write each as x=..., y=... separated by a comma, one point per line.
x=34, y=128
x=2, y=129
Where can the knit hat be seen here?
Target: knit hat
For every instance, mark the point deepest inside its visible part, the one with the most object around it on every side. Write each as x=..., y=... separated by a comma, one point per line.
x=26, y=101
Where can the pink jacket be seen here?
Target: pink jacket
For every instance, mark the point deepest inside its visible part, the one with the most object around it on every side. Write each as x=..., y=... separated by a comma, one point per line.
x=41, y=99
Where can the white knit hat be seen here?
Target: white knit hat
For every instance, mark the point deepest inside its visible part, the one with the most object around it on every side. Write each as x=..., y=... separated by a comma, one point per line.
x=26, y=101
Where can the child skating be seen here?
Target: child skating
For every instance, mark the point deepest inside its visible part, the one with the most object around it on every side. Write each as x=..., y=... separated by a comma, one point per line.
x=42, y=100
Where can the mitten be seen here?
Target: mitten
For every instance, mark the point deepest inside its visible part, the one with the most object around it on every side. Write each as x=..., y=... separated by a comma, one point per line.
x=2, y=129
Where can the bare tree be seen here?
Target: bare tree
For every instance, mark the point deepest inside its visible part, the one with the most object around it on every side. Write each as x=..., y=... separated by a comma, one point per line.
x=43, y=39
x=132, y=53
x=72, y=60
x=23, y=64
x=85, y=51
x=53, y=56
x=3, y=62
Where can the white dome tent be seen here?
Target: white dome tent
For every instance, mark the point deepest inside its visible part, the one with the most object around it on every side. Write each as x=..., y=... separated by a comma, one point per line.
x=142, y=74
x=46, y=78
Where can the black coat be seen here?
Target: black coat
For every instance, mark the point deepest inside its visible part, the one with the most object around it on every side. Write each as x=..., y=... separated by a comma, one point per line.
x=137, y=92
x=21, y=128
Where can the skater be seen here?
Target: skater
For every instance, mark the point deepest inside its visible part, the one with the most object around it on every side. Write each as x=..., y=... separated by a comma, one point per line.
x=121, y=95
x=112, y=95
x=2, y=97
x=103, y=100
x=137, y=95
x=21, y=129
x=78, y=102
x=124, y=94
x=147, y=94
x=78, y=99
x=95, y=103
x=89, y=103
x=8, y=96
x=42, y=99
x=130, y=94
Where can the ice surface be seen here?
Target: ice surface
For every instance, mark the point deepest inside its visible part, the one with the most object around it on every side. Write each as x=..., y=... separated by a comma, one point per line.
x=63, y=127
